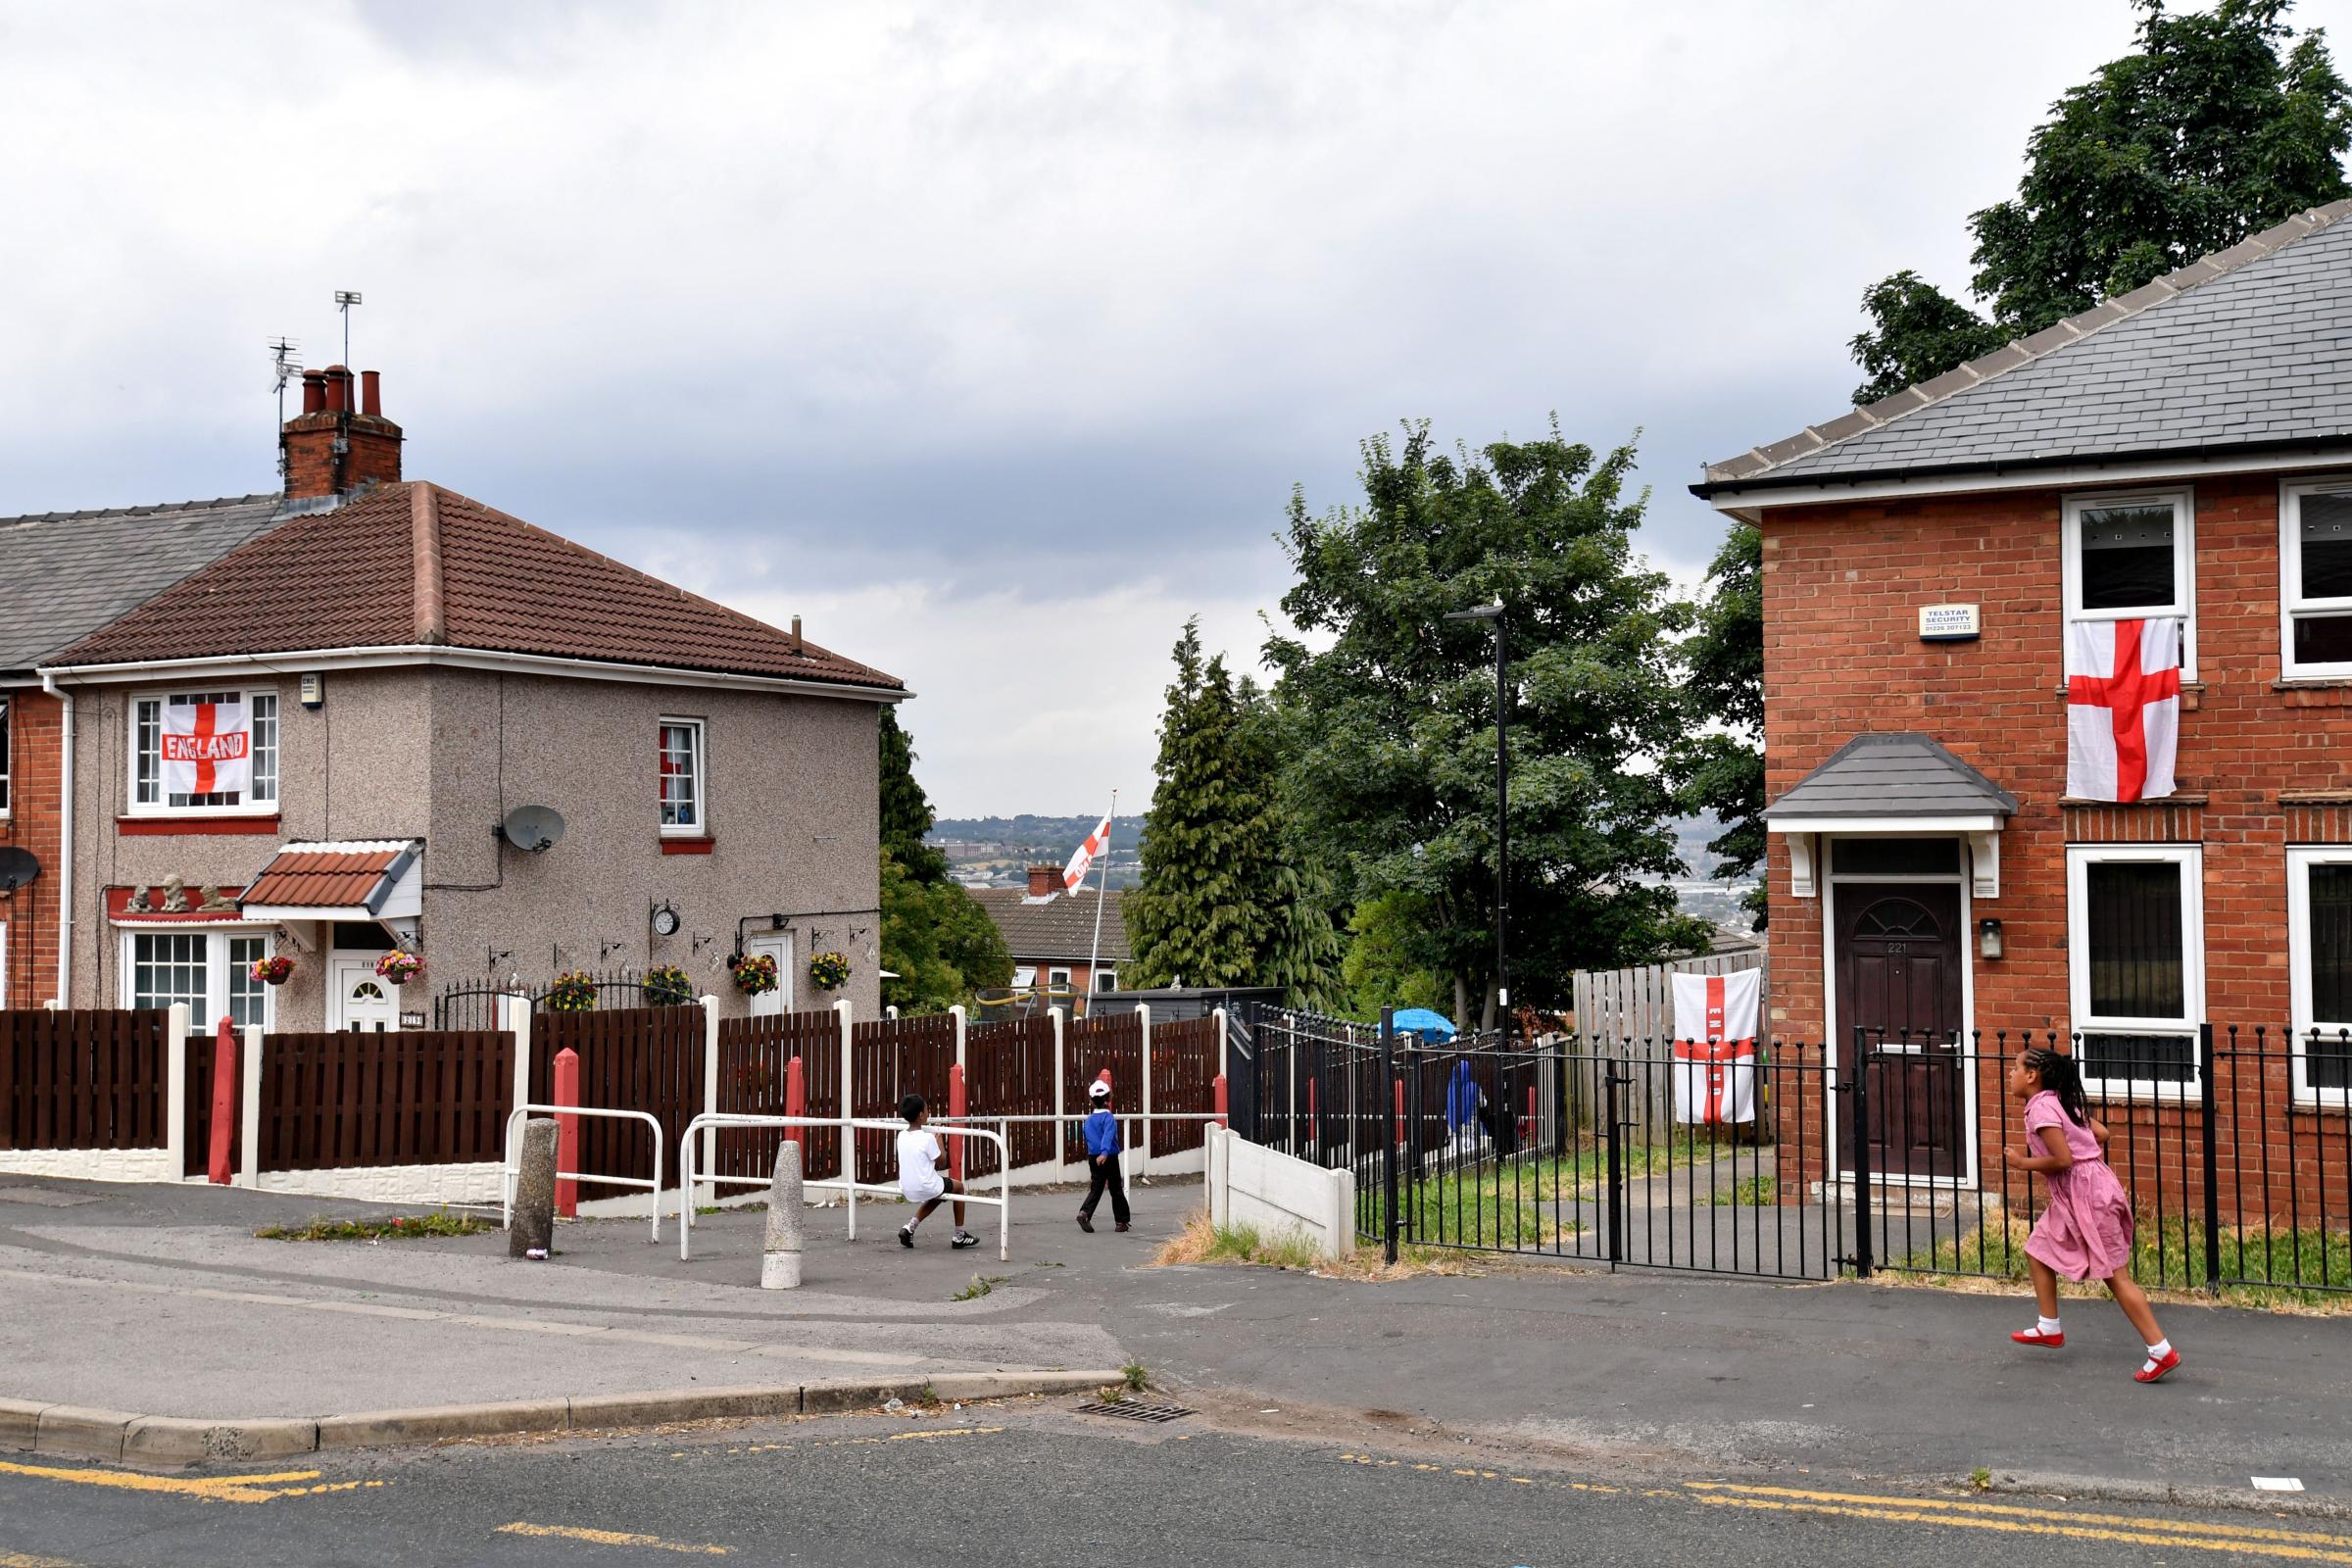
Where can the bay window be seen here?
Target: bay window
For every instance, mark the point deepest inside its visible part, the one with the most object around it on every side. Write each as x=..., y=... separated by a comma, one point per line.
x=164, y=726
x=211, y=972
x=2136, y=938
x=2318, y=921
x=2315, y=579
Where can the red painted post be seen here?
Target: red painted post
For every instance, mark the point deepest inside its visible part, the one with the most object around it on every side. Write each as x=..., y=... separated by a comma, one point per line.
x=1220, y=1088
x=796, y=1098
x=1313, y=1122
x=567, y=1132
x=225, y=1102
x=1400, y=1088
x=1527, y=1133
x=959, y=1107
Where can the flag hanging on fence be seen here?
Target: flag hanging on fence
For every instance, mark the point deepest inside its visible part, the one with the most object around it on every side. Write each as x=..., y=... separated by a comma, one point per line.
x=1081, y=862
x=2123, y=708
x=207, y=748
x=1715, y=1028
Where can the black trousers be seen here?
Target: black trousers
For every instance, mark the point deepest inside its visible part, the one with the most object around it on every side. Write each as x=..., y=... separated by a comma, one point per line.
x=1104, y=1177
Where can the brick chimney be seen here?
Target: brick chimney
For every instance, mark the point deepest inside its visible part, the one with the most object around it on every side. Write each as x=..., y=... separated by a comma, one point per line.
x=341, y=440
x=1045, y=881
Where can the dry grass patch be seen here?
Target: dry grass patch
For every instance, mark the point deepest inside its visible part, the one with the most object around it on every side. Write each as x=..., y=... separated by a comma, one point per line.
x=1201, y=1242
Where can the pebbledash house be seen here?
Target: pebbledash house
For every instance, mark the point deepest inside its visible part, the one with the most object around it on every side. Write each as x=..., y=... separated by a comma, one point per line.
x=392, y=718
x=2057, y=659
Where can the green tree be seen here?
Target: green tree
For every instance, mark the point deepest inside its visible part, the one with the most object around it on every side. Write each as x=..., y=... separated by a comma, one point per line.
x=937, y=941
x=1389, y=710
x=1722, y=770
x=1386, y=959
x=2221, y=123
x=906, y=810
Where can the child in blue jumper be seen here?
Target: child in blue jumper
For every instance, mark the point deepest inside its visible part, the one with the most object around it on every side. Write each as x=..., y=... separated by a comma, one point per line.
x=1102, y=1159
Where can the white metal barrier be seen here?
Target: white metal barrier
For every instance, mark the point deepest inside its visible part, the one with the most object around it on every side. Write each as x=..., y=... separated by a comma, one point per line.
x=687, y=1179
x=512, y=1162
x=1127, y=1119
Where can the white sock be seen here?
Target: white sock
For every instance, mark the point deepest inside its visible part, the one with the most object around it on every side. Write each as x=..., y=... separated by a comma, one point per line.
x=912, y=1223
x=2159, y=1351
x=2049, y=1325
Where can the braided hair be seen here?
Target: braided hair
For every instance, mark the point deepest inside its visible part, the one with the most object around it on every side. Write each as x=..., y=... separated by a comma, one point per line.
x=2061, y=1077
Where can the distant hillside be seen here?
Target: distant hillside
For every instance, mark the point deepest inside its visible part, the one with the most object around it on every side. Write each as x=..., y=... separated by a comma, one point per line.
x=1001, y=849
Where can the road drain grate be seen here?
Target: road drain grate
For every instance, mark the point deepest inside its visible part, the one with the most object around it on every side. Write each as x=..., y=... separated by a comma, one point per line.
x=1133, y=1409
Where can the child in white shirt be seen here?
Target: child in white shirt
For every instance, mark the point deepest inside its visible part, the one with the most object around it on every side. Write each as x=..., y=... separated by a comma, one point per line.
x=922, y=1175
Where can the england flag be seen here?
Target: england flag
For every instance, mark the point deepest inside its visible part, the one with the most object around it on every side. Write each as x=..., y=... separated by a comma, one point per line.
x=1074, y=873
x=207, y=748
x=2123, y=708
x=1715, y=1027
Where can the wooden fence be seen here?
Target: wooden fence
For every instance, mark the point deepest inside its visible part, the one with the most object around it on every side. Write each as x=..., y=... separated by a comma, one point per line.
x=1626, y=1012
x=631, y=1058
x=1009, y=1067
x=753, y=1056
x=334, y=1102
x=82, y=1080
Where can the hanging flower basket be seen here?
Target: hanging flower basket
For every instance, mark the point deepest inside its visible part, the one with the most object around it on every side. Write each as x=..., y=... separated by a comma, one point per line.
x=755, y=973
x=274, y=970
x=399, y=966
x=668, y=987
x=828, y=971
x=573, y=992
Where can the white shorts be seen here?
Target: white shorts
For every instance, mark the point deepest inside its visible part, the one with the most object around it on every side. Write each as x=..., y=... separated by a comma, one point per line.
x=922, y=1192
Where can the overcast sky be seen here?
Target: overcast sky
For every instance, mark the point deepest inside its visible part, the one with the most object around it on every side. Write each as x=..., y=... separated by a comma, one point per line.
x=989, y=339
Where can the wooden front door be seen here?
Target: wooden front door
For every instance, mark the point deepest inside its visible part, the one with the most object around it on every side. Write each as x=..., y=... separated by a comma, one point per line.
x=1900, y=947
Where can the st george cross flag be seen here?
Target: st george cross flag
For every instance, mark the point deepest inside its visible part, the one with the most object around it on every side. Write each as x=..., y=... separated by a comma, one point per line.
x=1074, y=873
x=1715, y=1027
x=2123, y=708
x=208, y=748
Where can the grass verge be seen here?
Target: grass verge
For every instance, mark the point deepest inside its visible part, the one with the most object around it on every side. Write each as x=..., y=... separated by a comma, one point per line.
x=1201, y=1242
x=2168, y=1261
x=403, y=1227
x=981, y=1285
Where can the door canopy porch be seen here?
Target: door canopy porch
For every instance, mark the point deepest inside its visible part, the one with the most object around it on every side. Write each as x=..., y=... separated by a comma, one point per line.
x=379, y=880
x=1895, y=785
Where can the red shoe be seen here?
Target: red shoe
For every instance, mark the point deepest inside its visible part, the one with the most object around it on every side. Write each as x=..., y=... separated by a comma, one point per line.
x=2048, y=1342
x=2155, y=1374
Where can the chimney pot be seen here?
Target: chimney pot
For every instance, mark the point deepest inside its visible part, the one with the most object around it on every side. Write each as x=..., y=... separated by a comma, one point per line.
x=372, y=394
x=1043, y=880
x=338, y=389
x=795, y=634
x=314, y=391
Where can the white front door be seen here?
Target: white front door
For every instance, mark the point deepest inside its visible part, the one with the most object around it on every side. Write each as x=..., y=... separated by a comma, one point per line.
x=780, y=948
x=358, y=999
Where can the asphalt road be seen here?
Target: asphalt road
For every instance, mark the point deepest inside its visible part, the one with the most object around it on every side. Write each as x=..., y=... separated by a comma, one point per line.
x=1033, y=1482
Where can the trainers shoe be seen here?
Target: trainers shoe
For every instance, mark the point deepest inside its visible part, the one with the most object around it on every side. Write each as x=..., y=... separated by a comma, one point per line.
x=2048, y=1342
x=905, y=1236
x=2154, y=1371
x=1086, y=1223
x=964, y=1238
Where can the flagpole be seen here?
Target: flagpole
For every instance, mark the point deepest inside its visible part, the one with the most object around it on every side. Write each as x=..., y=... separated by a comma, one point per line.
x=1101, y=891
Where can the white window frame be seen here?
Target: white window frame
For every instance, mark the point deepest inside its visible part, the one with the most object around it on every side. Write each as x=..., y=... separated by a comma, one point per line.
x=699, y=827
x=254, y=803
x=2184, y=564
x=2300, y=862
x=2190, y=857
x=1057, y=979
x=1106, y=978
x=218, y=979
x=2291, y=600
x=7, y=754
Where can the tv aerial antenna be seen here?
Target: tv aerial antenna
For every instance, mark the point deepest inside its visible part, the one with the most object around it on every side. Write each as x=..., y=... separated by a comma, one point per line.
x=345, y=299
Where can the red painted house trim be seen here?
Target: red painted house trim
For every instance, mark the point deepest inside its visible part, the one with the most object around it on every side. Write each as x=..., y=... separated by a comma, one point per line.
x=686, y=846
x=156, y=828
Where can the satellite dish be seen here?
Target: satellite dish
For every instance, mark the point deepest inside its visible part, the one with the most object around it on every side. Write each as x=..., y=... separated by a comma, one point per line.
x=17, y=867
x=536, y=828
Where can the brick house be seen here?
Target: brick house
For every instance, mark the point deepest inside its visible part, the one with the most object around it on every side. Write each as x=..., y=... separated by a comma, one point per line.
x=2185, y=450
x=85, y=569
x=406, y=666
x=1051, y=933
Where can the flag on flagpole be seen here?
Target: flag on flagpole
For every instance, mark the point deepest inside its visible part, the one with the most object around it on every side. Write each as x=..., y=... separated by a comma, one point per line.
x=2123, y=708
x=1074, y=873
x=1715, y=1026
x=207, y=748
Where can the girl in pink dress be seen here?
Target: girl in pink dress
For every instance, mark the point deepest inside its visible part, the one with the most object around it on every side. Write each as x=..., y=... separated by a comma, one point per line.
x=2085, y=1232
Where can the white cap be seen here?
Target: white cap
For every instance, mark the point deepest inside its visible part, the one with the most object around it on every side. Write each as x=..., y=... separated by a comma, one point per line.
x=1100, y=1090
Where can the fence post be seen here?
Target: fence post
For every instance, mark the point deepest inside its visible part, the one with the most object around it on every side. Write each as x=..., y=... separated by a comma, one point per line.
x=1388, y=1146
x=249, y=1110
x=708, y=1159
x=1143, y=1011
x=515, y=1017
x=849, y=1134
x=959, y=1108
x=1859, y=1090
x=566, y=1092
x=1061, y=1090
x=2206, y=1098
x=175, y=1090
x=1221, y=1085
x=1612, y=1158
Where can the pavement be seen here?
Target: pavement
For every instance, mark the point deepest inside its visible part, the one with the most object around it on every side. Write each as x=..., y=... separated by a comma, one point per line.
x=161, y=1300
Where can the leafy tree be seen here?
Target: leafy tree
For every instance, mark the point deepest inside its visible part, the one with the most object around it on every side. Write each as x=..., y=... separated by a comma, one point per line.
x=1384, y=965
x=1389, y=710
x=906, y=809
x=1722, y=773
x=937, y=941
x=2219, y=125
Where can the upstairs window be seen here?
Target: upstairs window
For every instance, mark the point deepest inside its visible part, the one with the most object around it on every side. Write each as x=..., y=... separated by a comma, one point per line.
x=2132, y=557
x=682, y=777
x=2315, y=579
x=2136, y=940
x=204, y=750
x=4, y=734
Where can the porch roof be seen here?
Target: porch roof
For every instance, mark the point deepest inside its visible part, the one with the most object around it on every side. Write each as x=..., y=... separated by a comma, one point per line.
x=1879, y=780
x=364, y=880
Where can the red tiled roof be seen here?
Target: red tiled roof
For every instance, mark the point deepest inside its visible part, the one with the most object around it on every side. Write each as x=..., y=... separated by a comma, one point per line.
x=320, y=876
x=412, y=562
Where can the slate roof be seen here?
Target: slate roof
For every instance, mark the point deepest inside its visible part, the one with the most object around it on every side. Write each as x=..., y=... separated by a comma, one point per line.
x=1892, y=775
x=415, y=563
x=71, y=572
x=2249, y=348
x=315, y=876
x=1060, y=929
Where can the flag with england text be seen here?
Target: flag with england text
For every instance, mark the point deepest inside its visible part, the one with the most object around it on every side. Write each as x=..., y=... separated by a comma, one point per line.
x=207, y=748
x=1083, y=861
x=2123, y=708
x=1715, y=1026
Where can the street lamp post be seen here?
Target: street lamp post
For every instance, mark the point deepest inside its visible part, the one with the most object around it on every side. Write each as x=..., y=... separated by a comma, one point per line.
x=1502, y=814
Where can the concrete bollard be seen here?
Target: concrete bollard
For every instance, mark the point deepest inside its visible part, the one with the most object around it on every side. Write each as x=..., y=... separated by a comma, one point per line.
x=780, y=1256
x=533, y=1231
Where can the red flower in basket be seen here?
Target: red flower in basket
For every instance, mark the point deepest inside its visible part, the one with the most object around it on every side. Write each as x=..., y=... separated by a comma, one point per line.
x=400, y=966
x=273, y=970
x=755, y=974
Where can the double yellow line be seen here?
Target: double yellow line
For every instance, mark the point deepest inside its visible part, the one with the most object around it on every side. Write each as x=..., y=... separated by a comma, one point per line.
x=206, y=1489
